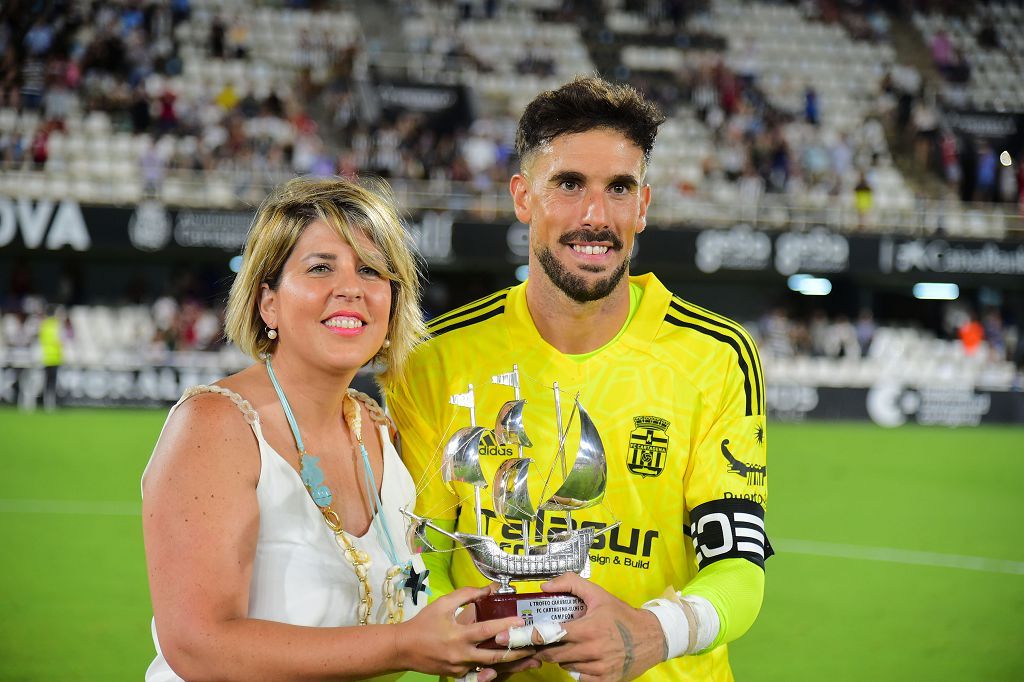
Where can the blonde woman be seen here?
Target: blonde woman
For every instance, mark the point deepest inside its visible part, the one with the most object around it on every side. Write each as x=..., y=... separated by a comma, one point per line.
x=274, y=542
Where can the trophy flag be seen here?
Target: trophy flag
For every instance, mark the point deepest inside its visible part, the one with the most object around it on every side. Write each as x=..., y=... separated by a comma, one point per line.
x=506, y=379
x=466, y=400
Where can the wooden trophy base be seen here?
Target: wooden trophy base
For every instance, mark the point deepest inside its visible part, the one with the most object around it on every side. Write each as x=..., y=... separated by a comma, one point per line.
x=532, y=607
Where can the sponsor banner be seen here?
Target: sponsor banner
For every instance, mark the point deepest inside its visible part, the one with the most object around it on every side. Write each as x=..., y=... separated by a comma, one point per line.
x=446, y=106
x=158, y=386
x=985, y=124
x=432, y=234
x=950, y=257
x=150, y=227
x=892, y=404
x=28, y=225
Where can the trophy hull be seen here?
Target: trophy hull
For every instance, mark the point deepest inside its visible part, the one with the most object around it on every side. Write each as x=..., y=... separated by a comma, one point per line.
x=572, y=553
x=533, y=607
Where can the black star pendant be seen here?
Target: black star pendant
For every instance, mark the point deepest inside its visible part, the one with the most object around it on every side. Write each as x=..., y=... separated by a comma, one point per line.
x=416, y=583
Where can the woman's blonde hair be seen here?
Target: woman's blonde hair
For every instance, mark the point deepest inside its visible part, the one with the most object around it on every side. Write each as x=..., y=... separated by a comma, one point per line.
x=349, y=208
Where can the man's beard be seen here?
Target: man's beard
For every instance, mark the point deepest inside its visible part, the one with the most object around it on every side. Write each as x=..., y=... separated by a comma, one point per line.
x=574, y=286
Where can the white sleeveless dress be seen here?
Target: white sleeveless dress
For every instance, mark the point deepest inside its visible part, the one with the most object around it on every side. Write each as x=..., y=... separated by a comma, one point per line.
x=300, y=575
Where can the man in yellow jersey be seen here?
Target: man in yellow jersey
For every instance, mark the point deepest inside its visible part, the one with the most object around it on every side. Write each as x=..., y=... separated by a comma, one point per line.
x=675, y=391
x=52, y=352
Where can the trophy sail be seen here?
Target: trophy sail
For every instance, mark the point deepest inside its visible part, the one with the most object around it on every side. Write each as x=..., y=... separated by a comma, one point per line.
x=461, y=460
x=585, y=483
x=509, y=428
x=510, y=494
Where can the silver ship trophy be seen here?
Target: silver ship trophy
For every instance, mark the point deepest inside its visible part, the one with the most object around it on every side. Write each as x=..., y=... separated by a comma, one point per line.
x=582, y=486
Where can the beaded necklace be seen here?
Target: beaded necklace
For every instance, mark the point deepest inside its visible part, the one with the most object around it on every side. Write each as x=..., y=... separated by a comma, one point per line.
x=313, y=478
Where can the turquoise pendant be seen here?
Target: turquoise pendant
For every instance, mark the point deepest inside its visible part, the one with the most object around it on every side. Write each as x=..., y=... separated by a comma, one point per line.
x=313, y=477
x=321, y=495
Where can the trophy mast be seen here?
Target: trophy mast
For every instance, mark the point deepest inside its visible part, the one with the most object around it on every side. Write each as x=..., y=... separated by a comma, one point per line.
x=509, y=436
x=561, y=444
x=467, y=399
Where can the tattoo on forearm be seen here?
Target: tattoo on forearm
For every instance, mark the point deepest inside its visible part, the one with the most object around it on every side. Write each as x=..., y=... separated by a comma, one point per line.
x=627, y=647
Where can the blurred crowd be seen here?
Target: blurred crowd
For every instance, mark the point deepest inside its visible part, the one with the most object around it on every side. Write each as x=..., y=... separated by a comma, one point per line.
x=65, y=59
x=782, y=335
x=170, y=324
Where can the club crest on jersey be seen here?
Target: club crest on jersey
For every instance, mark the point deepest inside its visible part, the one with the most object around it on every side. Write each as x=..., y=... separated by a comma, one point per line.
x=754, y=473
x=648, y=446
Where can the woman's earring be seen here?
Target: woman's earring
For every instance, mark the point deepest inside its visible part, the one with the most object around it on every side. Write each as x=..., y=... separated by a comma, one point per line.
x=271, y=333
x=387, y=344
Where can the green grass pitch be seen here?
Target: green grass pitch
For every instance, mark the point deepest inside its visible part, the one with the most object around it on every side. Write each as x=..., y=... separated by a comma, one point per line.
x=900, y=554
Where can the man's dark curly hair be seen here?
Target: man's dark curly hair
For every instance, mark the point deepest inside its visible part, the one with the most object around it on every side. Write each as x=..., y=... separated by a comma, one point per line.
x=586, y=103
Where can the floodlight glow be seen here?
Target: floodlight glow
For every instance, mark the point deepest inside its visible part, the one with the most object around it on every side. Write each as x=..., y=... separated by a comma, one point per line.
x=235, y=264
x=816, y=286
x=1005, y=159
x=936, y=291
x=809, y=285
x=795, y=281
x=522, y=272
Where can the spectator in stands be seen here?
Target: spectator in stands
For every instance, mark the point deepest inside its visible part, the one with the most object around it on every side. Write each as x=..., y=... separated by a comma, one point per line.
x=925, y=120
x=39, y=38
x=748, y=62
x=33, y=83
x=843, y=339
x=1020, y=183
x=985, y=173
x=960, y=70
x=811, y=106
x=218, y=32
x=942, y=50
x=181, y=10
x=140, y=110
x=863, y=199
x=776, y=337
x=167, y=119
x=154, y=168
x=971, y=334
x=237, y=553
x=9, y=71
x=818, y=329
x=865, y=329
x=949, y=149
x=995, y=334
x=988, y=37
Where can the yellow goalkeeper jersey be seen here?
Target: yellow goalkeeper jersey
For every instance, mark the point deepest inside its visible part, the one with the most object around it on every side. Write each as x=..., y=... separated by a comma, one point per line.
x=678, y=399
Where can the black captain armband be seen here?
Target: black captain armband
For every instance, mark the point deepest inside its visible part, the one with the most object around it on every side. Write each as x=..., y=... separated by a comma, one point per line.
x=729, y=529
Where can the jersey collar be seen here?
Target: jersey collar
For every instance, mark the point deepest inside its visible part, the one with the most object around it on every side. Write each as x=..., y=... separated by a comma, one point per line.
x=639, y=335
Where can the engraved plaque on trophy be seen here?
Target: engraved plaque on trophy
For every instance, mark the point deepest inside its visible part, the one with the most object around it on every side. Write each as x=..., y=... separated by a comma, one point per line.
x=582, y=486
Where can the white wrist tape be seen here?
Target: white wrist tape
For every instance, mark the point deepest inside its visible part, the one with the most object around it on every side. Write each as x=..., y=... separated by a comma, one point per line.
x=708, y=623
x=549, y=632
x=674, y=624
x=689, y=626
